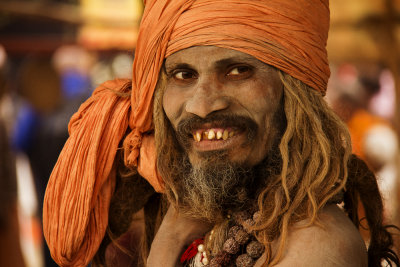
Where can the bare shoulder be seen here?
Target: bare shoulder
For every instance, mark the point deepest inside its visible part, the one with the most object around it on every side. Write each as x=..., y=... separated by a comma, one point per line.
x=335, y=242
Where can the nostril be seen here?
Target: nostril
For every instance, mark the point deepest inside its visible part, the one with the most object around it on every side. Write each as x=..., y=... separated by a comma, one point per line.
x=202, y=106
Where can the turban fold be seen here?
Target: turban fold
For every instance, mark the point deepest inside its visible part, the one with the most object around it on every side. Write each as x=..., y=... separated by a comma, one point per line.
x=288, y=34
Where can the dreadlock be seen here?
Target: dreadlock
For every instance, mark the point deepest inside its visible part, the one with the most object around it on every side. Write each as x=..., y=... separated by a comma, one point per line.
x=315, y=166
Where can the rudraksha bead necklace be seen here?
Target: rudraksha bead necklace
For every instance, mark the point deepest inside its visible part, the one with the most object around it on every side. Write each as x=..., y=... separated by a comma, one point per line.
x=239, y=249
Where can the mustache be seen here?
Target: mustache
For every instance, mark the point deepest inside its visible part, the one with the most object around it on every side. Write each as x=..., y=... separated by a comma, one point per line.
x=240, y=123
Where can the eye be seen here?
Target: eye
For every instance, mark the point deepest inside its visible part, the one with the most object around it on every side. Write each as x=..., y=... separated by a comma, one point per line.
x=240, y=72
x=184, y=75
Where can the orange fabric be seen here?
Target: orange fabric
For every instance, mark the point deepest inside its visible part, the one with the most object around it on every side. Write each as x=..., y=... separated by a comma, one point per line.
x=81, y=184
x=147, y=162
x=290, y=35
x=358, y=125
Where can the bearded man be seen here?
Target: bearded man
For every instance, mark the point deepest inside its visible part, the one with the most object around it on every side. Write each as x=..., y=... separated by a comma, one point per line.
x=244, y=163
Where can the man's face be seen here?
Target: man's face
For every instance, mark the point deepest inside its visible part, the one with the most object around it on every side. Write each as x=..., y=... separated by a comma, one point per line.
x=222, y=101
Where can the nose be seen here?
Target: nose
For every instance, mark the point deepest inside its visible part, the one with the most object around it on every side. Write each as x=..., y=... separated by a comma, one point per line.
x=206, y=99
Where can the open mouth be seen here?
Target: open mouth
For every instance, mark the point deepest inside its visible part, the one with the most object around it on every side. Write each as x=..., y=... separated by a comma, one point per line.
x=213, y=134
x=216, y=138
x=217, y=132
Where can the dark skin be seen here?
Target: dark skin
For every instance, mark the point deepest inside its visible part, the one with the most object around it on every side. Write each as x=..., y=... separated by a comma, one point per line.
x=223, y=81
x=227, y=81
x=174, y=235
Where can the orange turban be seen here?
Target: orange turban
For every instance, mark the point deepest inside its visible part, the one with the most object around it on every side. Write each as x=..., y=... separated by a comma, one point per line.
x=290, y=35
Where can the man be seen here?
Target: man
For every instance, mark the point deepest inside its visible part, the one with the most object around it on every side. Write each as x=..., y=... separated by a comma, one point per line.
x=225, y=118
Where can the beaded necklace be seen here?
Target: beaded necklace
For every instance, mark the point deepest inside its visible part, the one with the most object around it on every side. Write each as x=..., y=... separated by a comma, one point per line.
x=239, y=249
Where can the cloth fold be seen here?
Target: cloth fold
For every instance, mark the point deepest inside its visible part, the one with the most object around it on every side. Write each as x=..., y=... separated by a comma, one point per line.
x=80, y=187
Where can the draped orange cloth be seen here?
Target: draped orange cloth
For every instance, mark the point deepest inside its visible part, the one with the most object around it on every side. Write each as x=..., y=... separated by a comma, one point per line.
x=290, y=35
x=359, y=124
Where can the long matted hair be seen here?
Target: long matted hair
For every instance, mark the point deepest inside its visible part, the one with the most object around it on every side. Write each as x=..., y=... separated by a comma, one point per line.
x=315, y=166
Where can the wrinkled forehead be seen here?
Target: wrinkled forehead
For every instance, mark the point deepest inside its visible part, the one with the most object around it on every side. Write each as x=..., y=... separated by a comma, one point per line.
x=290, y=35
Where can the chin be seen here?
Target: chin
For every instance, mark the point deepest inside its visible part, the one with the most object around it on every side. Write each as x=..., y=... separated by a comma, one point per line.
x=210, y=158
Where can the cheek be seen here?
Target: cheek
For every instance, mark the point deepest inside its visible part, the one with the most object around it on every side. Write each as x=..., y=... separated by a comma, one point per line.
x=166, y=99
x=264, y=101
x=171, y=103
x=272, y=110
x=267, y=109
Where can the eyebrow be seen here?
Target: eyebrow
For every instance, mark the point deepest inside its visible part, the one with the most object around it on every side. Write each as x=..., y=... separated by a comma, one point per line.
x=235, y=60
x=177, y=65
x=218, y=64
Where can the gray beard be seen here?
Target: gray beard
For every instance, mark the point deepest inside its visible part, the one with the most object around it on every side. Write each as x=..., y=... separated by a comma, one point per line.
x=217, y=187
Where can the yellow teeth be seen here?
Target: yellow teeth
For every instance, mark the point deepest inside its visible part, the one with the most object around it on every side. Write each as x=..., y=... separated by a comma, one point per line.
x=198, y=137
x=212, y=134
x=225, y=135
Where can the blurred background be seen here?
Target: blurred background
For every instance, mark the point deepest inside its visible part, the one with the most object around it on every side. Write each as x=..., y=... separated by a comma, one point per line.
x=53, y=53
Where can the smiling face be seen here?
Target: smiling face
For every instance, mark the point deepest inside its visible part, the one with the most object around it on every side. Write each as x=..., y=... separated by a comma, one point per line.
x=222, y=101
